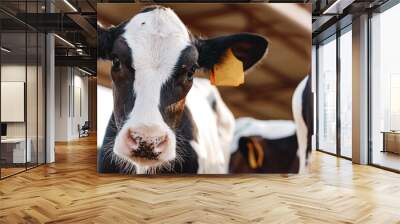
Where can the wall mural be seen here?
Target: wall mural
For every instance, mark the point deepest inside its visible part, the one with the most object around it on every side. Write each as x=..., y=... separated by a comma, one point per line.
x=204, y=88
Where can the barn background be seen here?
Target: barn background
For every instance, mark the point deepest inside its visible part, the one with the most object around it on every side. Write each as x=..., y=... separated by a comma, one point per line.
x=268, y=88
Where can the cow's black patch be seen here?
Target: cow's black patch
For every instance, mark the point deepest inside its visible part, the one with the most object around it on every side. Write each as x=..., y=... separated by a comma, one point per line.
x=175, y=89
x=280, y=155
x=213, y=101
x=151, y=8
x=214, y=105
x=123, y=78
x=308, y=113
x=106, y=40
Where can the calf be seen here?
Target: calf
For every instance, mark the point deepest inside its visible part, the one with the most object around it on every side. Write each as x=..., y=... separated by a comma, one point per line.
x=264, y=147
x=303, y=113
x=164, y=120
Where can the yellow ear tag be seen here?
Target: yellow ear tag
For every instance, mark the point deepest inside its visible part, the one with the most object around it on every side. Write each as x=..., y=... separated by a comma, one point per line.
x=255, y=154
x=229, y=72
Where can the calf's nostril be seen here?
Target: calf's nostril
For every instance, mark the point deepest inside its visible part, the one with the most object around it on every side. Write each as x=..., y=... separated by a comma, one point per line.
x=132, y=140
x=159, y=141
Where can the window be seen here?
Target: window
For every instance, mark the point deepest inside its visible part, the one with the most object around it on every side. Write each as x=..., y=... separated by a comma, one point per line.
x=327, y=95
x=346, y=92
x=385, y=89
x=22, y=79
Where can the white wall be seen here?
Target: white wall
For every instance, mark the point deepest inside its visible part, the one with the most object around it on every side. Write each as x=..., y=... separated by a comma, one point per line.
x=16, y=73
x=12, y=73
x=80, y=83
x=71, y=94
x=33, y=126
x=104, y=102
x=61, y=103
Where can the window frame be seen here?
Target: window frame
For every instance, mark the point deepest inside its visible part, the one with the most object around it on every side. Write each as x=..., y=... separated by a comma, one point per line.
x=31, y=30
x=347, y=27
x=378, y=10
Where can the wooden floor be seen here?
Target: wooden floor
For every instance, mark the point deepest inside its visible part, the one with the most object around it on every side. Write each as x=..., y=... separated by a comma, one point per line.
x=70, y=191
x=10, y=171
x=387, y=159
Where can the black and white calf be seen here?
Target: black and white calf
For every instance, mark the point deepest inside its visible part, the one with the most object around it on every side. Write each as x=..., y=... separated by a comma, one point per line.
x=165, y=120
x=303, y=113
x=276, y=146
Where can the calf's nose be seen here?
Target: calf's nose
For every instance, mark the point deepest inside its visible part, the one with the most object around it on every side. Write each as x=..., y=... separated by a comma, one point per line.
x=139, y=140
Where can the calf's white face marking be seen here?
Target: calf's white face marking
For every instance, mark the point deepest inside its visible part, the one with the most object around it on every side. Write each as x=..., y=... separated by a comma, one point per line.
x=156, y=40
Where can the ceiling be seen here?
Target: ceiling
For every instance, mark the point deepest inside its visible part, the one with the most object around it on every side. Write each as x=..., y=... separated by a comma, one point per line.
x=74, y=22
x=268, y=87
x=332, y=15
x=22, y=49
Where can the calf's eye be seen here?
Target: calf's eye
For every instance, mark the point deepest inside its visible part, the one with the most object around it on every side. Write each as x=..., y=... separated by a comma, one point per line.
x=116, y=64
x=191, y=72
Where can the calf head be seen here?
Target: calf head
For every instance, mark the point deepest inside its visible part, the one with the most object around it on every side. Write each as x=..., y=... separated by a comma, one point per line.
x=154, y=58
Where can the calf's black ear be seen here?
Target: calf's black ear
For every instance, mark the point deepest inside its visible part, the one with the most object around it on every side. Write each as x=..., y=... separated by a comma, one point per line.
x=248, y=48
x=106, y=39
